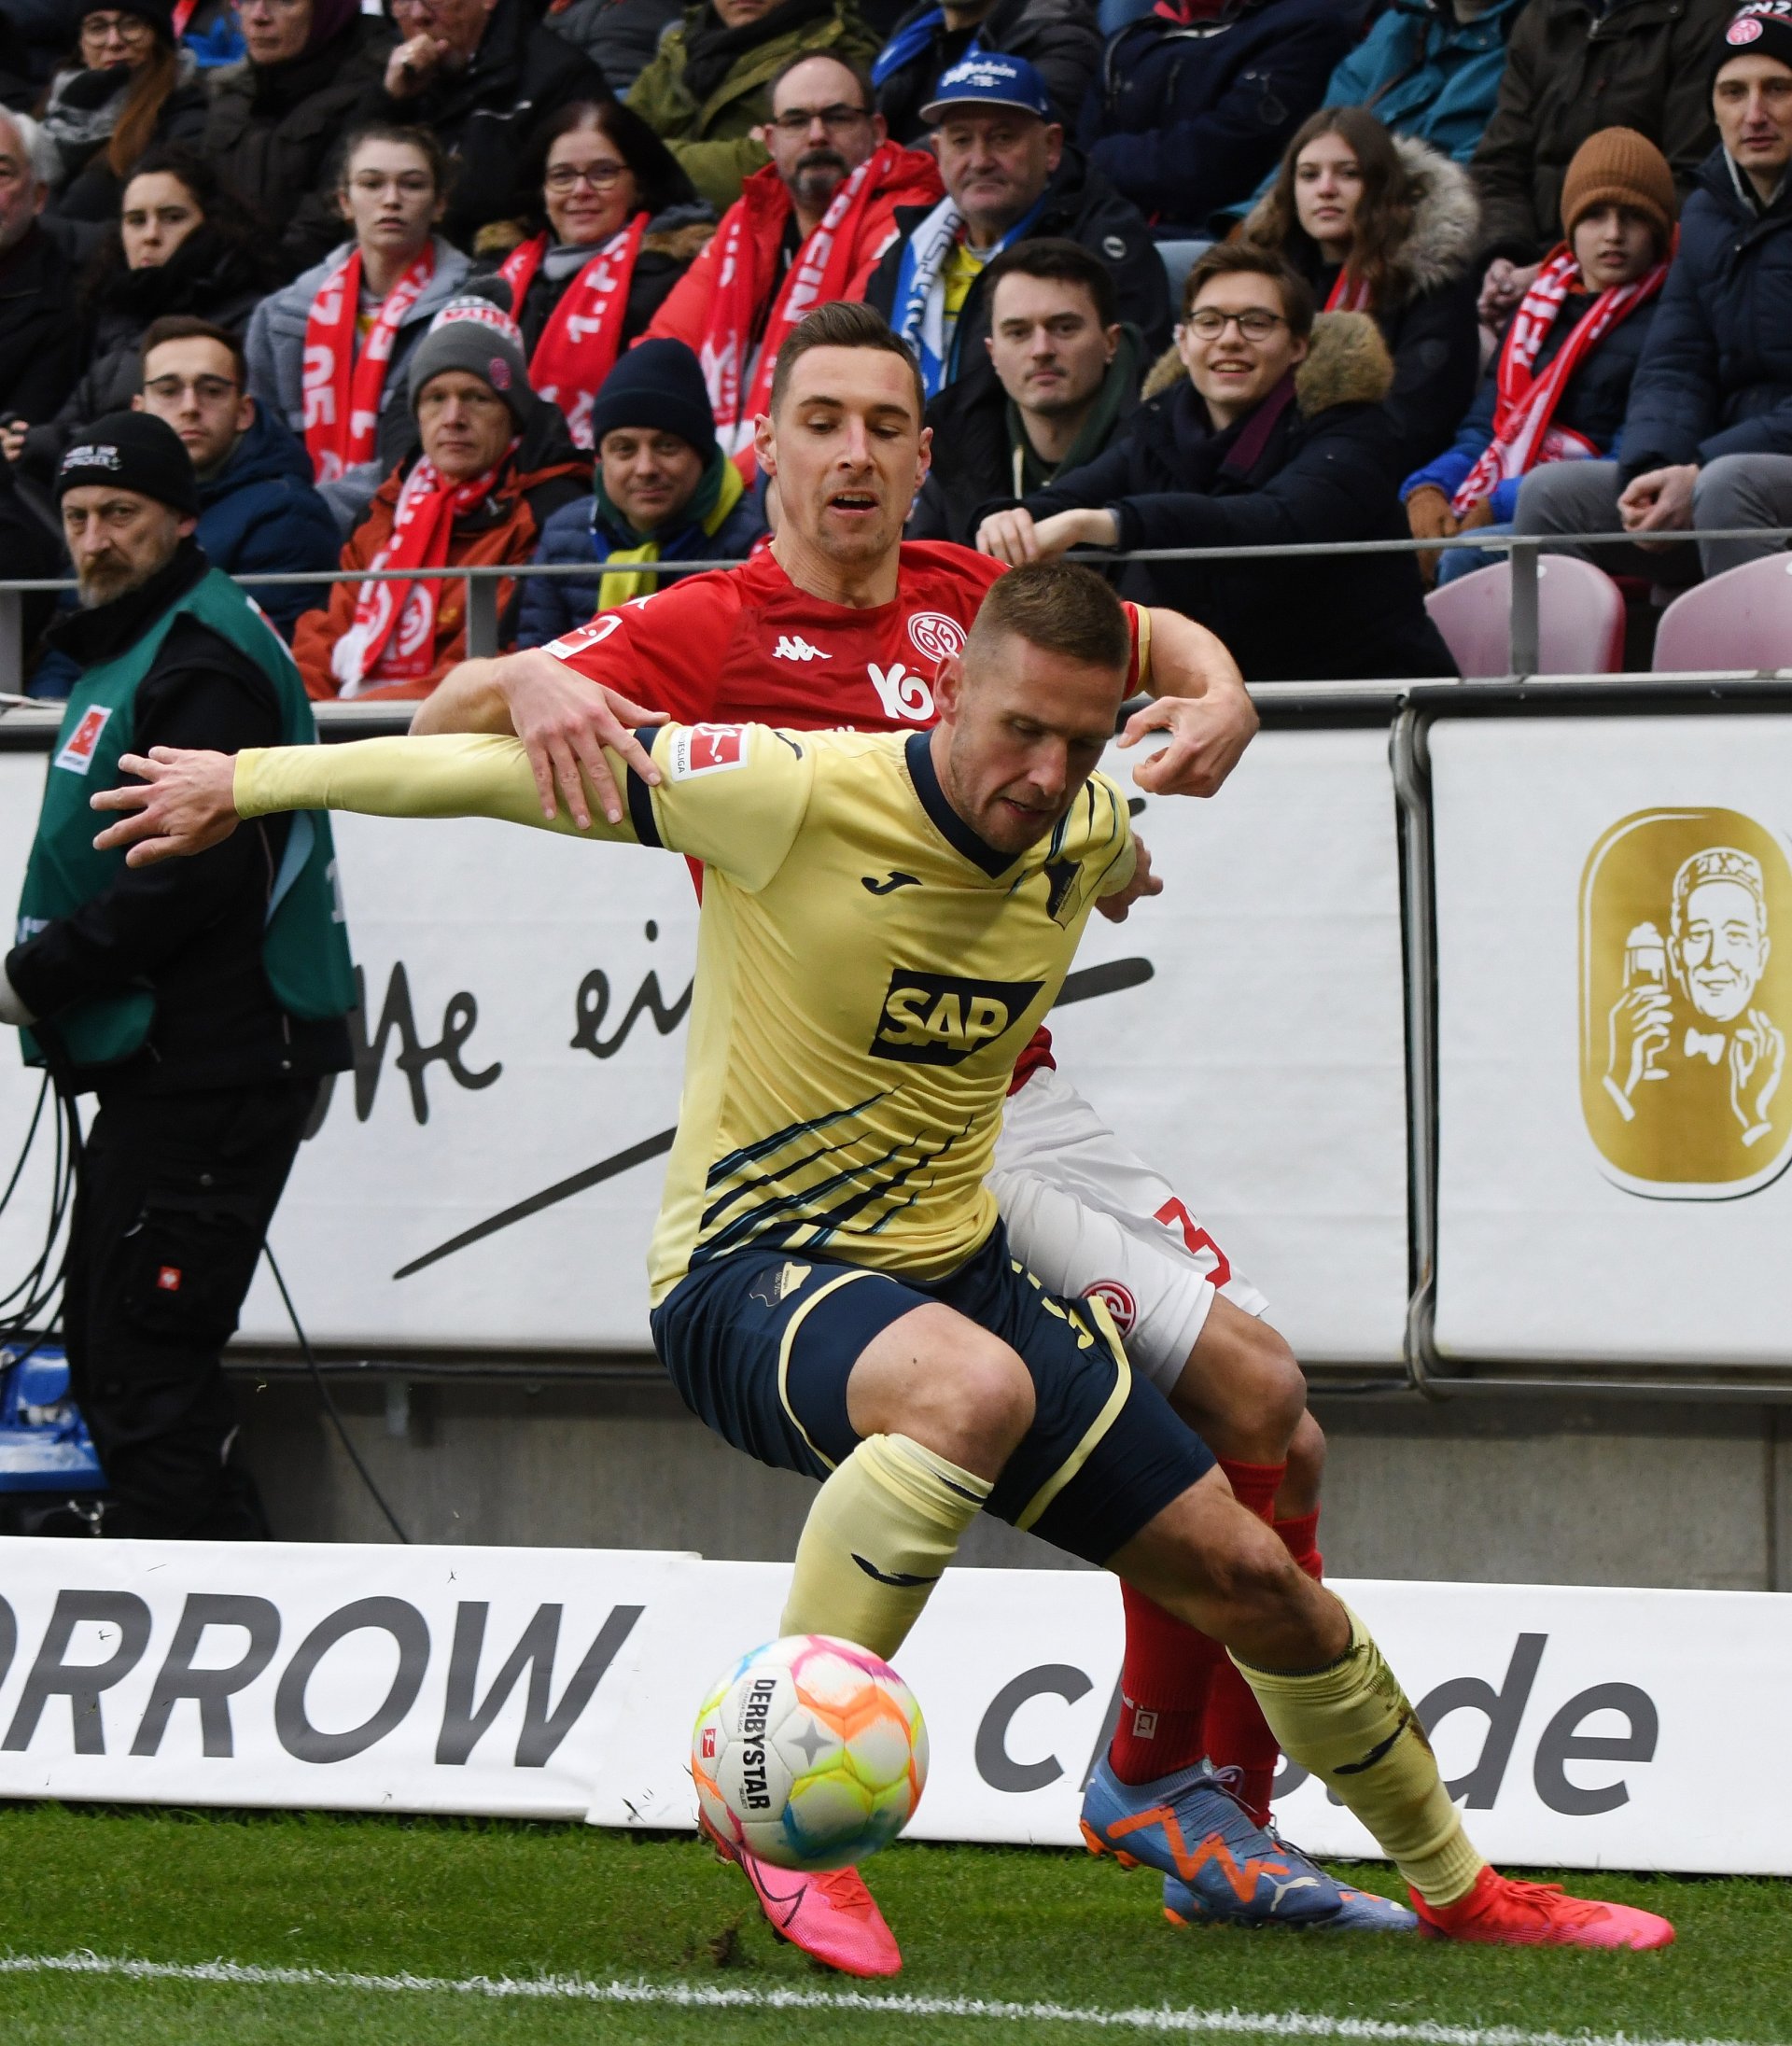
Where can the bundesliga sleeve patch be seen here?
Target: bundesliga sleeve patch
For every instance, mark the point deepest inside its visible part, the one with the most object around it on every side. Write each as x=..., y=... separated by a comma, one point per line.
x=78, y=755
x=707, y=749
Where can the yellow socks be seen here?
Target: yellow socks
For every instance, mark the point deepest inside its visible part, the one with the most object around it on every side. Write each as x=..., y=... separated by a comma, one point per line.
x=1350, y=1723
x=881, y=1533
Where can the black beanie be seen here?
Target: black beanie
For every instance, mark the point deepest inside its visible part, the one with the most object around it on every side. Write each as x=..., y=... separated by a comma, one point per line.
x=1761, y=29
x=656, y=384
x=133, y=451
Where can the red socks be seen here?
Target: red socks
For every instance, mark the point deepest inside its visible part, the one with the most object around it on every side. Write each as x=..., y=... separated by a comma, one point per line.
x=1235, y=1733
x=1171, y=1676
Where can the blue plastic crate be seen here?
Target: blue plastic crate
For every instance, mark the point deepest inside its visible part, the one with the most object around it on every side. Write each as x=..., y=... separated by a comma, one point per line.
x=44, y=1442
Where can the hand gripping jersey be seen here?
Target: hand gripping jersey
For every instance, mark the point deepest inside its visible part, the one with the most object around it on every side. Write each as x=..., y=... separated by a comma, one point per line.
x=868, y=968
x=746, y=646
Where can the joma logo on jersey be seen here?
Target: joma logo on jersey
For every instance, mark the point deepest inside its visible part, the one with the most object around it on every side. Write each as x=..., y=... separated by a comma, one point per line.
x=938, y=1019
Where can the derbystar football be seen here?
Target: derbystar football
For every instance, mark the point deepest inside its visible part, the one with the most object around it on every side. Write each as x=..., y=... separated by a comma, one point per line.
x=810, y=1753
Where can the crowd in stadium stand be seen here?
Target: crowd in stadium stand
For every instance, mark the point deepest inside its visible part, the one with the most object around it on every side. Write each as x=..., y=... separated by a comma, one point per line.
x=441, y=282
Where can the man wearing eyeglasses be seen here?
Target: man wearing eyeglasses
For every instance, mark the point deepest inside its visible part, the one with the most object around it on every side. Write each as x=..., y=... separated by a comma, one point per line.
x=808, y=226
x=257, y=508
x=1275, y=435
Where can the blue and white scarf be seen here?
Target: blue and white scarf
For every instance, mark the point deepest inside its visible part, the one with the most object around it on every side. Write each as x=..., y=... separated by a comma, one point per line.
x=907, y=45
x=918, y=308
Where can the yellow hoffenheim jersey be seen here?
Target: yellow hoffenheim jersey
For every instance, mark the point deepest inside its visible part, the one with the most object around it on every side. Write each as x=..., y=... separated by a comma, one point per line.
x=868, y=968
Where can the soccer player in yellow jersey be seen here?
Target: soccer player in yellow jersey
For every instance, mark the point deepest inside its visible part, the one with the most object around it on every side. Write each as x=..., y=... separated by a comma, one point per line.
x=832, y=1287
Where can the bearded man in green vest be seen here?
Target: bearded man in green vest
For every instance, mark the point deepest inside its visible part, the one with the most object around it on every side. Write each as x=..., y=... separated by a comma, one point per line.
x=201, y=1003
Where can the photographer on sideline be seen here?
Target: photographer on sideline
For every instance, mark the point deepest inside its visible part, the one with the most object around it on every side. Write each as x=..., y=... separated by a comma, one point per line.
x=201, y=1003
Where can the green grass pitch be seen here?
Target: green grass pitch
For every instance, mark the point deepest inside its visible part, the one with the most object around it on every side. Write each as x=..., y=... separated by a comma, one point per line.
x=448, y=1900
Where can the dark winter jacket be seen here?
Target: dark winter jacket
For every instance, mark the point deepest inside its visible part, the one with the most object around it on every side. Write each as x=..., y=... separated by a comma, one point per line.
x=483, y=115
x=1080, y=204
x=1716, y=376
x=1322, y=466
x=1571, y=69
x=207, y=277
x=1186, y=120
x=1593, y=401
x=273, y=130
x=1057, y=37
x=1429, y=321
x=671, y=242
x=554, y=604
x=976, y=451
x=260, y=512
x=188, y=929
x=90, y=194
x=39, y=328
x=619, y=36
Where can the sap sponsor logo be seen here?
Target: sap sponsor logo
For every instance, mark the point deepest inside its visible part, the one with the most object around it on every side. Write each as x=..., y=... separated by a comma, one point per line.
x=791, y=646
x=215, y=1624
x=77, y=754
x=902, y=694
x=939, y=1020
x=936, y=637
x=1603, y=1761
x=1117, y=1299
x=708, y=749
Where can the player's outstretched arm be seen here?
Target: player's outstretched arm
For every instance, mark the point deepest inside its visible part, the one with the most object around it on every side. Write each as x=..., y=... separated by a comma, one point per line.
x=187, y=800
x=184, y=803
x=565, y=719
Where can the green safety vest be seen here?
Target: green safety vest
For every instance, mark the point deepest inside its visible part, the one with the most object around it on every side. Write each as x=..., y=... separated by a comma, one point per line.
x=304, y=944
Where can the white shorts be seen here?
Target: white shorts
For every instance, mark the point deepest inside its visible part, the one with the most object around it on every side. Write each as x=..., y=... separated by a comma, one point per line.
x=1088, y=1216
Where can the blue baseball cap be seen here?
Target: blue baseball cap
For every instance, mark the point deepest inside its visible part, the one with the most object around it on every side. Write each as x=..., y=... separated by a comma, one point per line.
x=987, y=79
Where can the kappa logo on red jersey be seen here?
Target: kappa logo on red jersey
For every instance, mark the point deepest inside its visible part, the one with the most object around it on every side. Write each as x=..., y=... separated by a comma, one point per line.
x=78, y=755
x=708, y=749
x=936, y=636
x=791, y=646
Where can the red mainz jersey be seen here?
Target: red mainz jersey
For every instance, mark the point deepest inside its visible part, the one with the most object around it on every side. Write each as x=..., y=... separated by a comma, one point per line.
x=740, y=646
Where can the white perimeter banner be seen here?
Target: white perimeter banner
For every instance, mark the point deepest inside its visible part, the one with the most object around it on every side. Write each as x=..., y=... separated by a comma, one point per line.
x=1577, y=1724
x=1615, y=999
x=489, y=1174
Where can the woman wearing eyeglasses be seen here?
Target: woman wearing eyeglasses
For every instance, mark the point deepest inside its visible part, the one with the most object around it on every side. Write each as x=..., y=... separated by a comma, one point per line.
x=616, y=224
x=328, y=353
x=1262, y=428
x=125, y=87
x=1386, y=225
x=313, y=68
x=181, y=246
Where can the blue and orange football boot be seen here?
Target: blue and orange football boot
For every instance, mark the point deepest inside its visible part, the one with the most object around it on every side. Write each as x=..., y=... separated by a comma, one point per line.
x=1220, y=1866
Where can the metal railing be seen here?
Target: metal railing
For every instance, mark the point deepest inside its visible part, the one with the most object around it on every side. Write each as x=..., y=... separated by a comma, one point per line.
x=482, y=582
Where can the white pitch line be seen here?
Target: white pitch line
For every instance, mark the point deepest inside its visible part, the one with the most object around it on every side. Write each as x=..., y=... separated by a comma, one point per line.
x=714, y=1996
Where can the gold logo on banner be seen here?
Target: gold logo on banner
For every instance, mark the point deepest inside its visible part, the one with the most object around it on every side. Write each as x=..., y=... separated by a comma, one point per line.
x=1686, y=995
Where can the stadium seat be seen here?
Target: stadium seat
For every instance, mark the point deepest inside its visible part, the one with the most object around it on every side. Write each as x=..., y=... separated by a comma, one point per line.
x=1741, y=619
x=1580, y=619
x=1179, y=258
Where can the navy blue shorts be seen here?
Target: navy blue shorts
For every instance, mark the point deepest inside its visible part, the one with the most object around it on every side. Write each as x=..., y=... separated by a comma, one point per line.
x=760, y=1345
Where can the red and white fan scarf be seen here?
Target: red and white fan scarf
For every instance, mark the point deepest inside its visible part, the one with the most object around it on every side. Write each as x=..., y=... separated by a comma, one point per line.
x=342, y=392
x=1524, y=404
x=393, y=635
x=583, y=336
x=1349, y=294
x=821, y=271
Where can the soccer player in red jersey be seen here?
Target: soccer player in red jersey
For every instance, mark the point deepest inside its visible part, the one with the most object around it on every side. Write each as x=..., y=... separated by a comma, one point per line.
x=841, y=623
